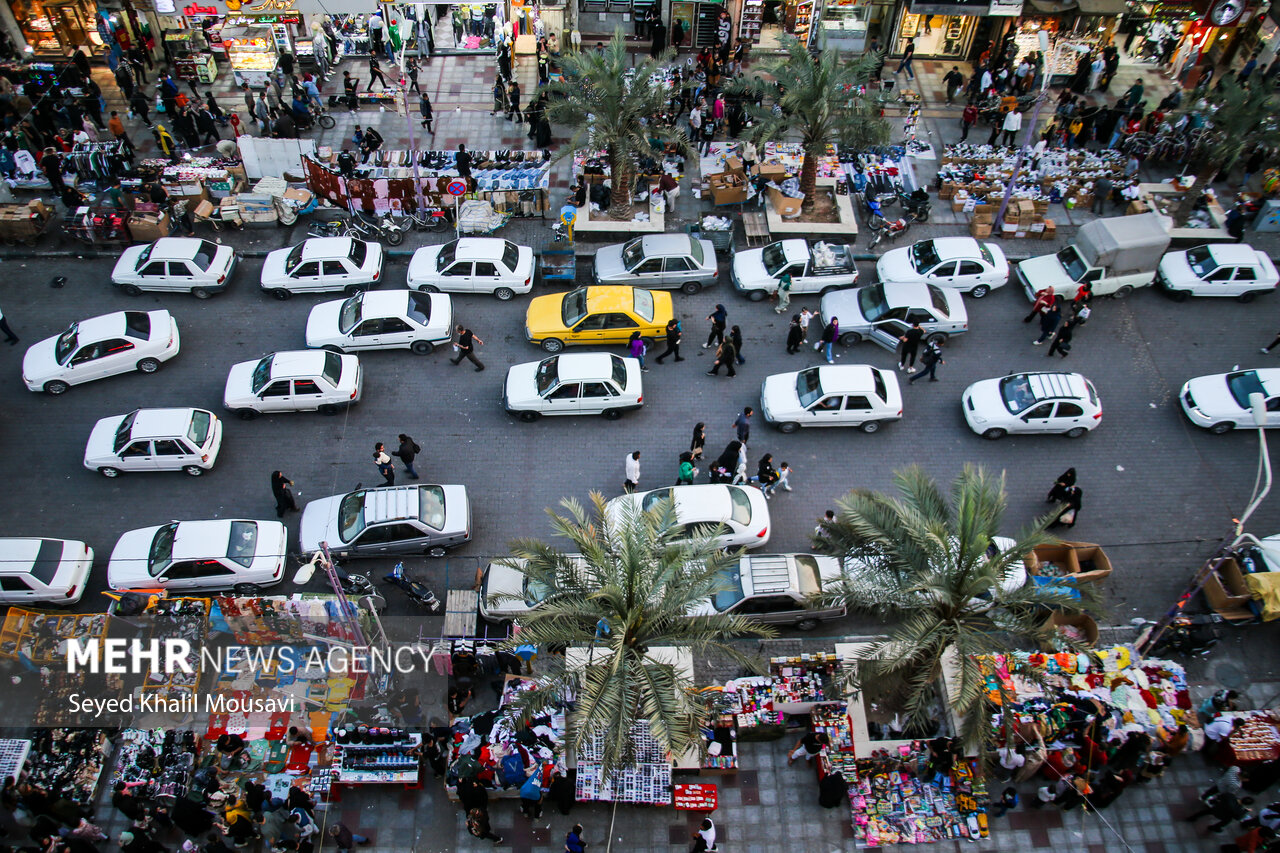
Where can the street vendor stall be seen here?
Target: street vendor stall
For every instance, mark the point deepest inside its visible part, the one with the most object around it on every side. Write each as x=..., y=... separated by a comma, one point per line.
x=251, y=52
x=984, y=171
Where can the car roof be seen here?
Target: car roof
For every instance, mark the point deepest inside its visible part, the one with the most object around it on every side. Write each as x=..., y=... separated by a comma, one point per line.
x=1057, y=385
x=847, y=379
x=480, y=248
x=909, y=294
x=1233, y=253
x=584, y=365
x=18, y=553
x=390, y=503
x=795, y=250
x=956, y=247
x=319, y=248
x=666, y=244
x=384, y=303
x=175, y=248
x=196, y=540
x=161, y=423
x=606, y=297
x=110, y=326
x=769, y=574
x=297, y=362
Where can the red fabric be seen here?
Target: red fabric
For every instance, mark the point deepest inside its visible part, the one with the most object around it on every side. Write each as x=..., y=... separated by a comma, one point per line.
x=1149, y=698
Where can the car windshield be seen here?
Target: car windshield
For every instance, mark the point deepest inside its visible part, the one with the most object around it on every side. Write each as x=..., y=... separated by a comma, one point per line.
x=243, y=543
x=741, y=505
x=431, y=506
x=535, y=592
x=1016, y=393
x=651, y=499
x=124, y=432
x=144, y=257
x=939, y=301
x=358, y=252
x=695, y=250
x=332, y=367
x=447, y=253
x=47, y=561
x=510, y=255
x=1072, y=263
x=201, y=423
x=808, y=388
x=633, y=253
x=808, y=578
x=1242, y=384
x=351, y=516
x=350, y=314
x=924, y=256
x=773, y=258
x=730, y=591
x=295, y=257
x=644, y=304
x=574, y=307
x=137, y=324
x=619, y=371
x=871, y=302
x=261, y=374
x=547, y=374
x=420, y=308
x=204, y=255
x=67, y=343
x=161, y=554
x=1201, y=261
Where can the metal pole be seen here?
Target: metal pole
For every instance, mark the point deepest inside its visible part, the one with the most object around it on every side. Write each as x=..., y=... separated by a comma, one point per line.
x=1026, y=140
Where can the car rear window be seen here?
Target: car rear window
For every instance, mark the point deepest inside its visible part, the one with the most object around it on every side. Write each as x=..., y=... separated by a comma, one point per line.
x=332, y=367
x=359, y=251
x=161, y=553
x=547, y=373
x=431, y=506
x=695, y=250
x=877, y=377
x=808, y=578
x=619, y=371
x=124, y=432
x=510, y=255
x=1093, y=394
x=201, y=421
x=204, y=255
x=730, y=591
x=985, y=251
x=48, y=558
x=243, y=543
x=644, y=304
x=741, y=511
x=138, y=324
x=939, y=301
x=420, y=308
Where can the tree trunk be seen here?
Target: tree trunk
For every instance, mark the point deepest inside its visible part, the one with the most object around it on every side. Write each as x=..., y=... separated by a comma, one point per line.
x=620, y=186
x=809, y=176
x=1204, y=177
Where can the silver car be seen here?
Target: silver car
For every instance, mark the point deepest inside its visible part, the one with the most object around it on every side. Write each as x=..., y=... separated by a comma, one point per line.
x=659, y=261
x=884, y=312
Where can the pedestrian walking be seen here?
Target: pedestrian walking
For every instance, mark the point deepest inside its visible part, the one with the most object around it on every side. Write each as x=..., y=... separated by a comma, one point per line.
x=1049, y=320
x=808, y=747
x=795, y=335
x=742, y=424
x=930, y=358
x=513, y=102
x=499, y=96
x=674, y=332
x=705, y=838
x=968, y=119
x=686, y=471
x=344, y=839
x=784, y=293
x=910, y=345
x=284, y=498
x=140, y=106
x=805, y=316
x=636, y=347
x=11, y=339
x=531, y=794
x=1043, y=301
x=424, y=107
x=1225, y=807
x=829, y=334
x=908, y=54
x=1275, y=342
x=1101, y=192
x=1070, y=497
x=1061, y=343
x=466, y=347
x=632, y=466
x=699, y=442
x=718, y=319
x=573, y=842
x=375, y=73
x=766, y=475
x=1012, y=124
x=411, y=74
x=408, y=451
x=726, y=355
x=383, y=463
x=784, y=477
x=478, y=826
x=735, y=335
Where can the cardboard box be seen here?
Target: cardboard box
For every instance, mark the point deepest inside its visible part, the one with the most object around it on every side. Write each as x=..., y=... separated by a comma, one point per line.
x=204, y=209
x=1050, y=229
x=1020, y=234
x=981, y=230
x=1135, y=208
x=1008, y=228
x=957, y=204
x=1041, y=206
x=147, y=227
x=39, y=208
x=784, y=206
x=773, y=171
x=947, y=191
x=1228, y=594
x=728, y=187
x=982, y=219
x=734, y=164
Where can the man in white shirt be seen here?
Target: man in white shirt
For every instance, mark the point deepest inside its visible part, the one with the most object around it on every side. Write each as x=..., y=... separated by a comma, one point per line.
x=1221, y=728
x=1012, y=124
x=633, y=472
x=987, y=80
x=706, y=837
x=1011, y=760
x=1095, y=72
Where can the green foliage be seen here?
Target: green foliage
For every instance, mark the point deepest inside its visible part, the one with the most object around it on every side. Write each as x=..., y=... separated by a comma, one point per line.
x=1239, y=118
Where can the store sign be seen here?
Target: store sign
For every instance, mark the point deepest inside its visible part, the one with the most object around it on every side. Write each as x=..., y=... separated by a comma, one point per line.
x=1005, y=8
x=274, y=7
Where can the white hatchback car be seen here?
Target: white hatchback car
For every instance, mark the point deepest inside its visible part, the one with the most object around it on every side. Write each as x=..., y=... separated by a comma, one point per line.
x=1219, y=269
x=1219, y=402
x=219, y=554
x=856, y=395
x=99, y=347
x=742, y=510
x=1050, y=402
x=587, y=383
x=186, y=440
x=43, y=571
x=294, y=381
x=175, y=265
x=959, y=263
x=323, y=265
x=473, y=265
x=384, y=319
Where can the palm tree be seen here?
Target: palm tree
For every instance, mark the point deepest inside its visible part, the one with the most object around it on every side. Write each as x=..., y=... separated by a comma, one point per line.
x=936, y=567
x=1239, y=118
x=626, y=594
x=610, y=105
x=819, y=98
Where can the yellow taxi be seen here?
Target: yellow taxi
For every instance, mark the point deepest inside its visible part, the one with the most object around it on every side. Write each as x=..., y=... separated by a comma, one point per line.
x=607, y=314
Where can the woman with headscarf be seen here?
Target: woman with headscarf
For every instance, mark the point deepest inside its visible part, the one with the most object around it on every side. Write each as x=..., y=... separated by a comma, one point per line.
x=1058, y=493
x=699, y=440
x=722, y=470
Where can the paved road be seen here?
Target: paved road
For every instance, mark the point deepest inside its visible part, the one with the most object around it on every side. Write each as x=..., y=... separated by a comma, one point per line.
x=1157, y=492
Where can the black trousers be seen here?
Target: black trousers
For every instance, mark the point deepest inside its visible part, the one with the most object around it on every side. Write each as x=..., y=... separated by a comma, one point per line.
x=716, y=336
x=672, y=349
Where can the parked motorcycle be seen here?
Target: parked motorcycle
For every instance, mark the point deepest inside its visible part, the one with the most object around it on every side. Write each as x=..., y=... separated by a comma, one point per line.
x=893, y=229
x=1189, y=635
x=330, y=228
x=418, y=592
x=381, y=230
x=917, y=203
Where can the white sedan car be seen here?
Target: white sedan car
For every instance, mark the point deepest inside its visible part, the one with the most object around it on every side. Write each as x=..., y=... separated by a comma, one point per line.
x=1050, y=402
x=323, y=265
x=588, y=383
x=473, y=265
x=99, y=347
x=219, y=554
x=43, y=571
x=1220, y=402
x=175, y=265
x=186, y=440
x=500, y=580
x=959, y=263
x=835, y=395
x=294, y=381
x=743, y=511
x=1219, y=269
x=413, y=519
x=883, y=312
x=384, y=319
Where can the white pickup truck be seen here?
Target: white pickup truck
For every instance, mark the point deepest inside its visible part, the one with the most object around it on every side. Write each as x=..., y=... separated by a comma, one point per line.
x=814, y=269
x=1114, y=255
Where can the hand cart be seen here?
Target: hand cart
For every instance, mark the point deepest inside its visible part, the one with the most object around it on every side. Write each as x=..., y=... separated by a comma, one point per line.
x=98, y=226
x=559, y=262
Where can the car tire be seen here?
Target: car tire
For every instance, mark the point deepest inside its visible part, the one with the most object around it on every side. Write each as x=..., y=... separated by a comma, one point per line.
x=757, y=295
x=281, y=294
x=148, y=365
x=936, y=337
x=201, y=293
x=422, y=347
x=428, y=288
x=848, y=339
x=806, y=624
x=109, y=472
x=612, y=414
x=690, y=288
x=1122, y=292
x=1222, y=427
x=994, y=434
x=246, y=414
x=130, y=290
x=247, y=590
x=56, y=387
x=353, y=289
x=552, y=345
x=980, y=291
x=192, y=470
x=649, y=343
x=1248, y=296
x=328, y=409
x=529, y=417
x=1179, y=295
x=788, y=426
x=435, y=551
x=1075, y=432
x=871, y=426
x=504, y=294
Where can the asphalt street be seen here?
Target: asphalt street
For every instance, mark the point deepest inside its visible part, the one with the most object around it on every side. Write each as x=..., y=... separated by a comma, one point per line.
x=1158, y=493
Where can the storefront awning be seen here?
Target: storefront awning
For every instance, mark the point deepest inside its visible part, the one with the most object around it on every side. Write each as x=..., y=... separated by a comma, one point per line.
x=1102, y=7
x=1053, y=7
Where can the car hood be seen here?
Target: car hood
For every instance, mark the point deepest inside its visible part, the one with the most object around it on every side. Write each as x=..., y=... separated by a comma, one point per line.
x=521, y=384
x=748, y=268
x=273, y=271
x=322, y=323
x=844, y=305
x=128, y=263
x=422, y=266
x=319, y=524
x=100, y=448
x=543, y=316
x=1046, y=271
x=128, y=566
x=502, y=580
x=778, y=395
x=239, y=384
x=608, y=264
x=987, y=402
x=1176, y=270
x=896, y=265
x=1213, y=397
x=39, y=361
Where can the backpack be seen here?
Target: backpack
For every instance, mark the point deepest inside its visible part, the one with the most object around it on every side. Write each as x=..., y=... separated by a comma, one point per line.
x=512, y=770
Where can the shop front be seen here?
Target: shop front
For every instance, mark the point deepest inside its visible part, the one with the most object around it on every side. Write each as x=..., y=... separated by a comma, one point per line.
x=56, y=27
x=700, y=22
x=939, y=31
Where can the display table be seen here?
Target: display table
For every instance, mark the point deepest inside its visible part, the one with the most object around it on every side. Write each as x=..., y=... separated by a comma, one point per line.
x=696, y=798
x=847, y=223
x=1164, y=198
x=397, y=761
x=1255, y=742
x=800, y=682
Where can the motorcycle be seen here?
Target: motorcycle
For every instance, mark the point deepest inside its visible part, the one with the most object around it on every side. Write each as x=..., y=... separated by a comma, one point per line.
x=875, y=214
x=330, y=228
x=893, y=229
x=1190, y=635
x=353, y=585
x=916, y=203
x=381, y=230
x=418, y=592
